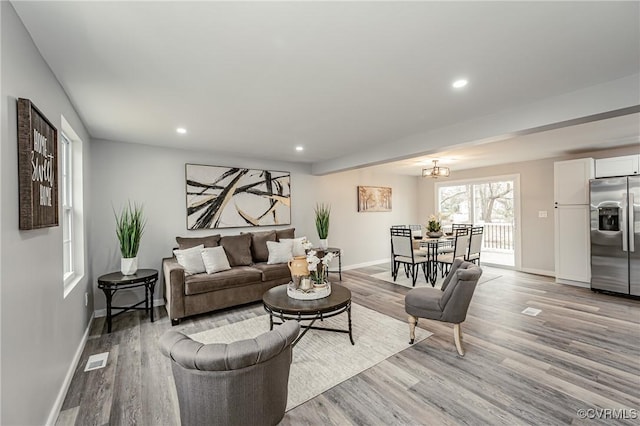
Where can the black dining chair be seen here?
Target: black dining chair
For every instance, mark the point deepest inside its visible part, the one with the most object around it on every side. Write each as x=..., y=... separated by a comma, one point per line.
x=475, y=245
x=402, y=253
x=416, y=231
x=396, y=227
x=448, y=248
x=460, y=250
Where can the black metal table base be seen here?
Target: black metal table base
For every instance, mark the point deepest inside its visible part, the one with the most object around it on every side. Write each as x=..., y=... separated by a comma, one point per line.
x=313, y=317
x=111, y=287
x=431, y=247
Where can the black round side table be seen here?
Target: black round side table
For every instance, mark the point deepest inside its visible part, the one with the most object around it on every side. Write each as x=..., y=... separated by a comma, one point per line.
x=110, y=283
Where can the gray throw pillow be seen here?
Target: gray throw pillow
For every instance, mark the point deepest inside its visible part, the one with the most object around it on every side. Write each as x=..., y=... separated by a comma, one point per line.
x=188, y=242
x=288, y=233
x=259, y=248
x=238, y=249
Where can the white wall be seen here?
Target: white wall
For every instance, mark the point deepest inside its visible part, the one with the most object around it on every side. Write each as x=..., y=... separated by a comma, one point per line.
x=41, y=330
x=364, y=237
x=155, y=177
x=536, y=192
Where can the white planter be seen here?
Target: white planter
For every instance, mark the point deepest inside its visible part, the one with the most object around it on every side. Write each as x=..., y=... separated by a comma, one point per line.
x=324, y=243
x=128, y=266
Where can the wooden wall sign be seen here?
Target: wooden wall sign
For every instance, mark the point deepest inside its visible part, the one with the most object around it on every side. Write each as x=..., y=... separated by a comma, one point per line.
x=37, y=168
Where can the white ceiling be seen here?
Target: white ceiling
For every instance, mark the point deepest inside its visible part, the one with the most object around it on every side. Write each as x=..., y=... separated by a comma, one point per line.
x=593, y=136
x=339, y=78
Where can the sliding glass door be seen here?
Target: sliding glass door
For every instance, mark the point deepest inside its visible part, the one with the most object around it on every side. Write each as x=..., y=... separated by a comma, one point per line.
x=488, y=202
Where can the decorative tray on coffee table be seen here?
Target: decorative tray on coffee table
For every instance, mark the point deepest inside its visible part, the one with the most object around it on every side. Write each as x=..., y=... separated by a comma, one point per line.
x=316, y=292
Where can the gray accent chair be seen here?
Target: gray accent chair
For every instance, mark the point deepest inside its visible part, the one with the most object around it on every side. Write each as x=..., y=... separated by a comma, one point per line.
x=240, y=383
x=449, y=304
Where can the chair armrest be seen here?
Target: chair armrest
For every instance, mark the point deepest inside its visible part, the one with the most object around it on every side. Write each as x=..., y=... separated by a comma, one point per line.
x=173, y=287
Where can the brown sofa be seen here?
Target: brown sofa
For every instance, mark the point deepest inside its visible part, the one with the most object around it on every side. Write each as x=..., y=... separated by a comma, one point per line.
x=247, y=280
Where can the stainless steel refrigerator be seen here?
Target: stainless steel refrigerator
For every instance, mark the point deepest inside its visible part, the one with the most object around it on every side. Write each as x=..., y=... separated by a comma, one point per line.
x=615, y=234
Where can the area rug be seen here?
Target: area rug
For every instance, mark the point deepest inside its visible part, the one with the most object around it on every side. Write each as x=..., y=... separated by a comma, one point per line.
x=323, y=359
x=487, y=275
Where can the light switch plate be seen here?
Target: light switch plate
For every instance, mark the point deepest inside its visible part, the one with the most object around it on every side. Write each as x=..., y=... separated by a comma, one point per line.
x=542, y=213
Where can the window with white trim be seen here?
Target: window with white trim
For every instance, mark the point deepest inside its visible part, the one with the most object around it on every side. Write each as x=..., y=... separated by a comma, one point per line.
x=67, y=208
x=71, y=193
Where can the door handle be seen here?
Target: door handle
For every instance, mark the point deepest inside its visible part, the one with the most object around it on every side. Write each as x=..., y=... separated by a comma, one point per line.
x=624, y=227
x=632, y=243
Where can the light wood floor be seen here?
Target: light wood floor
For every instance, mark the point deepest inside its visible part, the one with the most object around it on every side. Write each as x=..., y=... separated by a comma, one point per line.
x=582, y=351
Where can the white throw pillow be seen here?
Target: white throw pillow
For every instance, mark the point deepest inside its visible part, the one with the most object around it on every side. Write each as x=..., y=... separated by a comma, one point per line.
x=279, y=252
x=297, y=248
x=215, y=260
x=191, y=259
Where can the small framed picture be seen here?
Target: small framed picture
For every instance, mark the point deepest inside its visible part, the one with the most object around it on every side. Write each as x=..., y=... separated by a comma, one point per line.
x=374, y=199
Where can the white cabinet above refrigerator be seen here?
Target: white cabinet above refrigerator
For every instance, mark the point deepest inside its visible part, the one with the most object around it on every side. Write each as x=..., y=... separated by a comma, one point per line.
x=627, y=165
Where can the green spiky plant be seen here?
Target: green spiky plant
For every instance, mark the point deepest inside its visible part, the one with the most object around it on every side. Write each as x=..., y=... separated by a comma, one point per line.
x=322, y=220
x=129, y=228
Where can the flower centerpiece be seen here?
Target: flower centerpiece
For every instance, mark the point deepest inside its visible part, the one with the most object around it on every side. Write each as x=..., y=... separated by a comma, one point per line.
x=318, y=266
x=434, y=228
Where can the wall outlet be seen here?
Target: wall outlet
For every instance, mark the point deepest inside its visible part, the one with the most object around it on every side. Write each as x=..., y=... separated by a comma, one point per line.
x=86, y=299
x=542, y=213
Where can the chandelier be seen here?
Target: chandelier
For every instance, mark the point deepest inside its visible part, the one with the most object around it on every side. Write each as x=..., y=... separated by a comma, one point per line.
x=436, y=171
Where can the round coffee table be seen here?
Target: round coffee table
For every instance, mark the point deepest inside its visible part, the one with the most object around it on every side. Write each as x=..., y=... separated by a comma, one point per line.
x=279, y=305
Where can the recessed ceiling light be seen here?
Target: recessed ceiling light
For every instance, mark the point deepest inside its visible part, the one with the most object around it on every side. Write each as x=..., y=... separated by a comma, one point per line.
x=299, y=148
x=181, y=130
x=459, y=83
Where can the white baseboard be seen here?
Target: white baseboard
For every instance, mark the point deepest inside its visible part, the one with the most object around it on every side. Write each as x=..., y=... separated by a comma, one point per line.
x=538, y=272
x=99, y=313
x=57, y=405
x=573, y=283
x=362, y=265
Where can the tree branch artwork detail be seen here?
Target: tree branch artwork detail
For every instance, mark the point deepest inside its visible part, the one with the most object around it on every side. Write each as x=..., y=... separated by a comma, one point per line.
x=230, y=197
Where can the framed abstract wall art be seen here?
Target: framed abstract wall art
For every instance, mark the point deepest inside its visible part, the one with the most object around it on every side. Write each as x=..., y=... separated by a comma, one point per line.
x=37, y=168
x=374, y=199
x=231, y=197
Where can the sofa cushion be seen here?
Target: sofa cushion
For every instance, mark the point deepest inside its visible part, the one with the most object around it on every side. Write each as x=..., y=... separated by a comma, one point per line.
x=259, y=249
x=273, y=272
x=234, y=277
x=215, y=260
x=191, y=259
x=188, y=242
x=238, y=249
x=285, y=233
